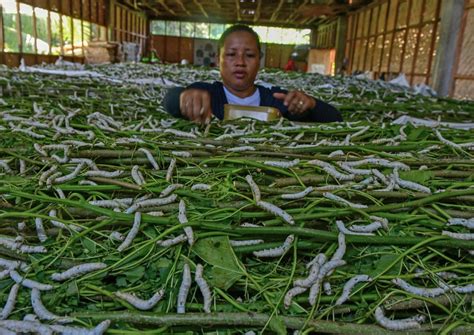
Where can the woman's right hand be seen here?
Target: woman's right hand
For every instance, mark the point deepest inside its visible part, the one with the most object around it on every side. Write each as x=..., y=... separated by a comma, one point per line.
x=195, y=105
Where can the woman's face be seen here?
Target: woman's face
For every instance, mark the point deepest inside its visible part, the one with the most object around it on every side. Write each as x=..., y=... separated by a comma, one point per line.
x=239, y=61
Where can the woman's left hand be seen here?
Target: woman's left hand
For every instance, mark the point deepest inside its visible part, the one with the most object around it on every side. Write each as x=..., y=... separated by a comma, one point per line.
x=296, y=101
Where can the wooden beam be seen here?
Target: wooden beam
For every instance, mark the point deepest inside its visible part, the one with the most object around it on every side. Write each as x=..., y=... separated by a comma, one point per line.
x=275, y=13
x=183, y=7
x=201, y=8
x=257, y=11
x=165, y=6
x=296, y=12
x=237, y=6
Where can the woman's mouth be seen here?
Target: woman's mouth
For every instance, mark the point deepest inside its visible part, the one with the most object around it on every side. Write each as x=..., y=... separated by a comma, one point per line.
x=239, y=74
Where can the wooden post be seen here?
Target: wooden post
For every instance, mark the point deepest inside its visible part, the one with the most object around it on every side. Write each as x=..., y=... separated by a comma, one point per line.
x=341, y=41
x=450, y=26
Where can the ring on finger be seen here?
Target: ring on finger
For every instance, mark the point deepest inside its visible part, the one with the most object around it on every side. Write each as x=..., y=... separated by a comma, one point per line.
x=300, y=103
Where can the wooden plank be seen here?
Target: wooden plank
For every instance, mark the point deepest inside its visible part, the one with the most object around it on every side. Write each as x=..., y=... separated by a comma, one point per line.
x=42, y=4
x=466, y=49
x=1, y=31
x=172, y=49
x=66, y=7
x=417, y=45
x=159, y=45
x=102, y=12
x=392, y=42
x=434, y=38
x=416, y=12
x=54, y=5
x=86, y=10
x=18, y=28
x=94, y=12
x=76, y=9
x=405, y=35
x=464, y=89
x=186, y=49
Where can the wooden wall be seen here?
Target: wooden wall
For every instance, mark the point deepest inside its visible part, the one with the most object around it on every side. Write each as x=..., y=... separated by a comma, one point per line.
x=128, y=25
x=325, y=36
x=173, y=49
x=463, y=83
x=393, y=36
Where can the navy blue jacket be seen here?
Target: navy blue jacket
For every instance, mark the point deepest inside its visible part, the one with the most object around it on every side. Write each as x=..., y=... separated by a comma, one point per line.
x=322, y=112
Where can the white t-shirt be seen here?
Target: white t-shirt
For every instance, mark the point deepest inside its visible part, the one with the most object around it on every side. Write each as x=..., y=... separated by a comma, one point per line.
x=253, y=100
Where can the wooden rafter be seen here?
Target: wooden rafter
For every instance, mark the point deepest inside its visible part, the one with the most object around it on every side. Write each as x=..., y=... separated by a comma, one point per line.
x=275, y=13
x=237, y=7
x=217, y=4
x=296, y=12
x=258, y=11
x=201, y=8
x=151, y=7
x=183, y=7
x=165, y=6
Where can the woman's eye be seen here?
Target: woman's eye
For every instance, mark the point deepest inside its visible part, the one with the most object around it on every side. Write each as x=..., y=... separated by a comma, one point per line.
x=230, y=54
x=251, y=55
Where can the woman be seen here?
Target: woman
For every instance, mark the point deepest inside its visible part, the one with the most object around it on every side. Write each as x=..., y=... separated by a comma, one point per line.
x=239, y=60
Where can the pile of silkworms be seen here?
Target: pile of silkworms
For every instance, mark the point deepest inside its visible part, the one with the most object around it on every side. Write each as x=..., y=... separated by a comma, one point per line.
x=117, y=218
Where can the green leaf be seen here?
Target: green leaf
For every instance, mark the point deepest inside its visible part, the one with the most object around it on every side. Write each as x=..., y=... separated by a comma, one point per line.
x=89, y=245
x=135, y=274
x=417, y=176
x=72, y=288
x=277, y=325
x=218, y=252
x=383, y=263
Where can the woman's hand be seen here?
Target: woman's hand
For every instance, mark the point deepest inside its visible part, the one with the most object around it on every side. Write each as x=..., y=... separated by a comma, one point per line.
x=195, y=105
x=296, y=101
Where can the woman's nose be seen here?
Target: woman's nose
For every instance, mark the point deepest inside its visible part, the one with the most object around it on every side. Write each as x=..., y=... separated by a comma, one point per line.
x=240, y=59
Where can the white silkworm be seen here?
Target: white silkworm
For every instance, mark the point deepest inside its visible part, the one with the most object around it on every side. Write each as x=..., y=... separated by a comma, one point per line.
x=179, y=133
x=17, y=278
x=150, y=158
x=45, y=175
x=21, y=225
x=324, y=270
x=182, y=218
x=250, y=225
x=107, y=203
x=336, y=153
x=39, y=149
x=278, y=251
x=105, y=174
x=367, y=228
x=459, y=236
x=469, y=223
x=52, y=178
x=172, y=241
x=341, y=249
x=299, y=195
x=170, y=189
x=41, y=311
x=275, y=210
x=254, y=187
x=331, y=170
x=184, y=290
x=352, y=170
x=445, y=141
x=182, y=154
x=291, y=294
x=60, y=193
x=344, y=230
x=387, y=323
x=86, y=161
x=5, y=166
x=332, y=196
x=100, y=329
x=31, y=317
x=412, y=185
x=170, y=171
x=380, y=176
x=40, y=230
x=464, y=289
x=327, y=288
x=132, y=233
x=430, y=148
x=379, y=162
x=155, y=213
x=28, y=132
x=204, y=287
x=10, y=304
x=282, y=164
x=33, y=327
x=200, y=187
x=117, y=236
x=12, y=265
x=137, y=175
x=253, y=139
x=421, y=291
x=240, y=149
x=349, y=285
x=240, y=243
x=151, y=203
x=77, y=271
x=87, y=182
x=141, y=304
x=70, y=176
x=316, y=264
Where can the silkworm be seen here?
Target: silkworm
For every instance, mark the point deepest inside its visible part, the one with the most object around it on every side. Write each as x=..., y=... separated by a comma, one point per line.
x=299, y=195
x=60, y=193
x=19, y=327
x=40, y=230
x=360, y=132
x=253, y=139
x=41, y=311
x=332, y=196
x=137, y=175
x=28, y=132
x=240, y=243
x=100, y=329
x=45, y=175
x=172, y=241
x=105, y=174
x=327, y=288
x=155, y=213
x=184, y=290
x=182, y=218
x=10, y=304
x=352, y=170
x=380, y=176
x=331, y=170
x=349, y=285
x=151, y=203
x=77, y=271
x=316, y=264
x=204, y=287
x=107, y=203
x=21, y=225
x=117, y=236
x=464, y=289
x=254, y=187
x=275, y=210
x=379, y=162
x=291, y=294
x=250, y=225
x=141, y=304
x=171, y=188
x=132, y=233
x=150, y=158
x=241, y=149
x=387, y=323
x=412, y=186
x=278, y=251
x=87, y=182
x=179, y=133
x=336, y=153
x=86, y=161
x=70, y=176
x=344, y=230
x=6, y=168
x=12, y=265
x=341, y=248
x=282, y=164
x=17, y=278
x=421, y=291
x=459, y=236
x=182, y=154
x=200, y=187
x=170, y=171
x=469, y=223
x=430, y=148
x=445, y=141
x=367, y=228
x=52, y=178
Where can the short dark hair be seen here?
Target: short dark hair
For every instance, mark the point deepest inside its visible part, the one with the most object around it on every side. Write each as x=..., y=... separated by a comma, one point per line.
x=237, y=28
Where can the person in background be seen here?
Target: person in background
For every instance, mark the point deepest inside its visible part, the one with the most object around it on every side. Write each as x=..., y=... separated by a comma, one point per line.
x=290, y=66
x=239, y=61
